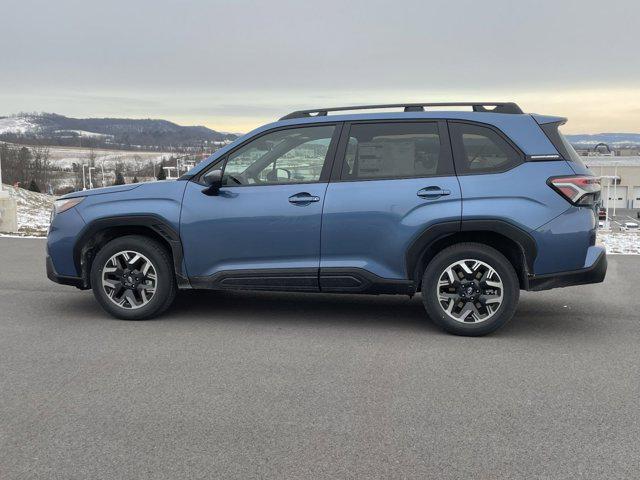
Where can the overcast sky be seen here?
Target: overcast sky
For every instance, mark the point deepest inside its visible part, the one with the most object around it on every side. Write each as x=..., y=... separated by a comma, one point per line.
x=232, y=65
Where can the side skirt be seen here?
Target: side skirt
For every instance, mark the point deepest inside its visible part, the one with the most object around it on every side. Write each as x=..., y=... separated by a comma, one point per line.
x=358, y=280
x=324, y=280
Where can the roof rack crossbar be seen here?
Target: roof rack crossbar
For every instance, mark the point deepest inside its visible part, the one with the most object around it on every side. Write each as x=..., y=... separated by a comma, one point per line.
x=498, y=107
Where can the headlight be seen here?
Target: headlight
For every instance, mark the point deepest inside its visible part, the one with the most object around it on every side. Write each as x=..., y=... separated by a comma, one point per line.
x=65, y=204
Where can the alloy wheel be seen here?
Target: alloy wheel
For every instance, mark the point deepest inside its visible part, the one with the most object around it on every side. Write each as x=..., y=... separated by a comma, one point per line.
x=129, y=279
x=470, y=291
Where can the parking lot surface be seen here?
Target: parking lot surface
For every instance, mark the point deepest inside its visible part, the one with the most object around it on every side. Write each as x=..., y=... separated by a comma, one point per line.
x=274, y=385
x=619, y=221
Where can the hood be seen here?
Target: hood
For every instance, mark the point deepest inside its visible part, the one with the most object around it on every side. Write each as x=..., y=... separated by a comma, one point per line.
x=100, y=191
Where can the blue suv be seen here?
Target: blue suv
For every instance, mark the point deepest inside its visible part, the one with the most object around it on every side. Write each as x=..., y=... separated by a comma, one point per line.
x=466, y=207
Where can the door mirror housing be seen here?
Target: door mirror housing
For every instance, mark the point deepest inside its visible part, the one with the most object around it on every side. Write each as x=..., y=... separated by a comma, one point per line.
x=279, y=175
x=213, y=181
x=283, y=174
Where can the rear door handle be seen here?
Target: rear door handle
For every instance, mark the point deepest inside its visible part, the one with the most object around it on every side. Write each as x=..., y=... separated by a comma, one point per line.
x=303, y=198
x=433, y=192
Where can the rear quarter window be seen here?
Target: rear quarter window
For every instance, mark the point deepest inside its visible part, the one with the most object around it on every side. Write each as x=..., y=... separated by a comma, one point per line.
x=479, y=149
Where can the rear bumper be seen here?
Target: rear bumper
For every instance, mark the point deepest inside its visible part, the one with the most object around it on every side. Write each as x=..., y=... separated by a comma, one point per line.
x=63, y=279
x=594, y=273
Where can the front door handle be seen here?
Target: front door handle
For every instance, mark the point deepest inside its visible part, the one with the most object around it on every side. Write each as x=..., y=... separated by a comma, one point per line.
x=433, y=192
x=303, y=198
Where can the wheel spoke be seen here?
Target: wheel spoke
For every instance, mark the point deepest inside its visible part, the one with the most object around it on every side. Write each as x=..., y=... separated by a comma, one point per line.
x=449, y=272
x=465, y=267
x=487, y=274
x=488, y=299
x=111, y=284
x=452, y=303
x=131, y=298
x=145, y=267
x=466, y=310
x=448, y=296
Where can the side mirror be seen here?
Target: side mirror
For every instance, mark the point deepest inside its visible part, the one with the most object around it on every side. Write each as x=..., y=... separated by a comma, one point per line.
x=279, y=175
x=283, y=174
x=213, y=181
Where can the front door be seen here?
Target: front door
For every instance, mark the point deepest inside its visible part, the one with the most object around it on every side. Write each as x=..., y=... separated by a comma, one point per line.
x=262, y=230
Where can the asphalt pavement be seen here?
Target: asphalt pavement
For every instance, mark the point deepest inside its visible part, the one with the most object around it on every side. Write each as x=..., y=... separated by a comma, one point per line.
x=274, y=385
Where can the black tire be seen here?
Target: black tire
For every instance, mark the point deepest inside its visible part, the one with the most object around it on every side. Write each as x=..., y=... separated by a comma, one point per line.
x=476, y=251
x=166, y=288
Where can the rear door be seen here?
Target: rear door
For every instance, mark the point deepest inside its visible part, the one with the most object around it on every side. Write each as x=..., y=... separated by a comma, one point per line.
x=391, y=181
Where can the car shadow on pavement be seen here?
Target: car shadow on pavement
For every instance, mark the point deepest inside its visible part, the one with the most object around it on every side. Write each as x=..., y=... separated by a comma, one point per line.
x=537, y=315
x=302, y=307
x=534, y=315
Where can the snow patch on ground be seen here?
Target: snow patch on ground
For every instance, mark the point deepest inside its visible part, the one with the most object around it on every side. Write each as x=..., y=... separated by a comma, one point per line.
x=17, y=235
x=622, y=243
x=65, y=157
x=17, y=125
x=34, y=211
x=84, y=133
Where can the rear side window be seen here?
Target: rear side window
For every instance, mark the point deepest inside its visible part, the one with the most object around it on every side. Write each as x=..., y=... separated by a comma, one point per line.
x=479, y=149
x=395, y=150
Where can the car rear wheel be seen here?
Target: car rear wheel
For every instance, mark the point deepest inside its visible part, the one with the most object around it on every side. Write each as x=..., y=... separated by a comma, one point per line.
x=470, y=289
x=132, y=278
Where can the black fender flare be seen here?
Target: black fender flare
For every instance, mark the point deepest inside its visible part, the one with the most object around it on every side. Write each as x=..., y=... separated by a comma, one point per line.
x=438, y=231
x=156, y=223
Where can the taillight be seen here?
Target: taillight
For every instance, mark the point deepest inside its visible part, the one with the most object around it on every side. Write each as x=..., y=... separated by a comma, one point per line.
x=578, y=190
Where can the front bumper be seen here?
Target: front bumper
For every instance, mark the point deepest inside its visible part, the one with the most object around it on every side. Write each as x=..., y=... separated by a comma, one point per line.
x=63, y=279
x=594, y=273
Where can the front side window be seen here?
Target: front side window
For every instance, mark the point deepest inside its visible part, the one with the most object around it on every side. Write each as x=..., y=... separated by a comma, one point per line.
x=295, y=155
x=479, y=149
x=395, y=150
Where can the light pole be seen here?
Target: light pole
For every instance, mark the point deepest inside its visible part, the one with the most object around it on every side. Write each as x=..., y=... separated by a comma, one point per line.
x=84, y=183
x=1, y=193
x=169, y=170
x=615, y=189
x=102, y=167
x=8, y=210
x=90, y=180
x=610, y=178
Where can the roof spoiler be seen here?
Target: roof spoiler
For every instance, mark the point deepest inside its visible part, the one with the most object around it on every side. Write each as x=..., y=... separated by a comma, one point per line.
x=544, y=119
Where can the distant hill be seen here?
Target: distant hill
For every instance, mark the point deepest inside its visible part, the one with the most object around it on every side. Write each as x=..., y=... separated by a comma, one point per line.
x=54, y=129
x=153, y=134
x=614, y=140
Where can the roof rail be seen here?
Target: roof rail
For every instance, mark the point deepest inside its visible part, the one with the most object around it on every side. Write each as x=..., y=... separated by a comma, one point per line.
x=498, y=107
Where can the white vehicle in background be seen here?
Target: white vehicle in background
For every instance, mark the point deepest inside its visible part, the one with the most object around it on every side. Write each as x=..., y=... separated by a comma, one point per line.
x=632, y=226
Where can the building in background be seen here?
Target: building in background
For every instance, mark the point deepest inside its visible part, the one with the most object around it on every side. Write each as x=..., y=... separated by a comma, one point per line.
x=625, y=184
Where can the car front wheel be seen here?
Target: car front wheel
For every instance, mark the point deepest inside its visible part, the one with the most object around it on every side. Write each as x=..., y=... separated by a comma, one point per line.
x=132, y=278
x=470, y=289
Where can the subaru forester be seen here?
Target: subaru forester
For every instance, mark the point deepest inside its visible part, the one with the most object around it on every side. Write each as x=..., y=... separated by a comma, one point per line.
x=466, y=208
